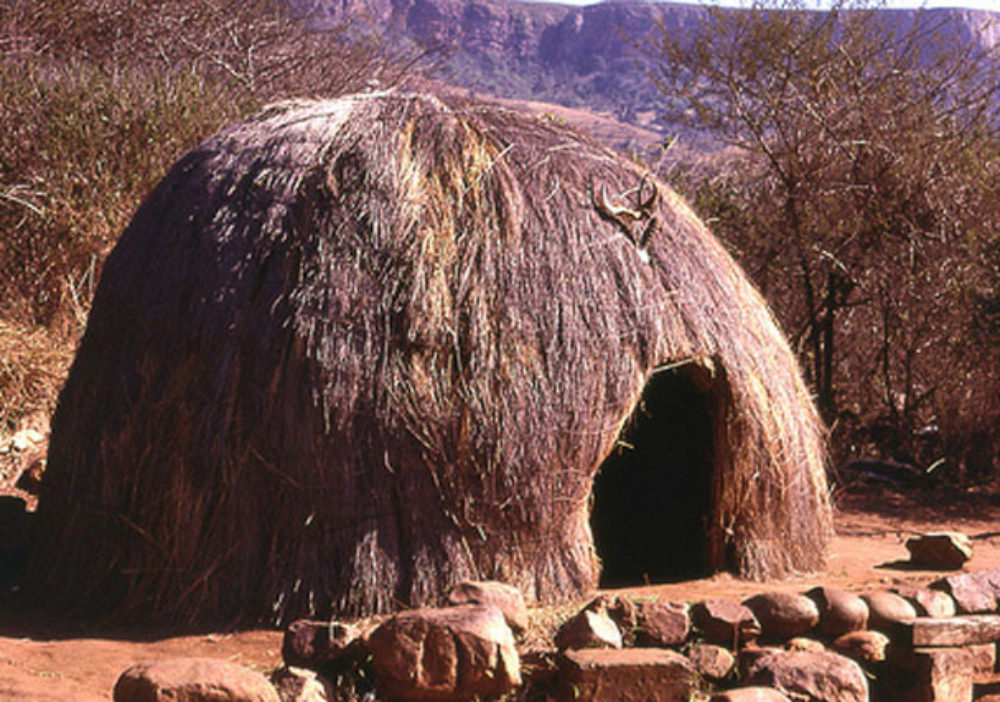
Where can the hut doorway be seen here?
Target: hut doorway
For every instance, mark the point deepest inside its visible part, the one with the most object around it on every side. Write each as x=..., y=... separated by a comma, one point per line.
x=652, y=496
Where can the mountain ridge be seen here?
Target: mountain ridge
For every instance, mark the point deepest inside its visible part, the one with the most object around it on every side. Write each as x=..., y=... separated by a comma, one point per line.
x=574, y=56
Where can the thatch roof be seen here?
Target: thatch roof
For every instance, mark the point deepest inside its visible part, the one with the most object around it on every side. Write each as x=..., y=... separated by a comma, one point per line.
x=350, y=352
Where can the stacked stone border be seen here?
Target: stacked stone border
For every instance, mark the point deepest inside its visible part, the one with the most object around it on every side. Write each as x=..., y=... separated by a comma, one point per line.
x=903, y=644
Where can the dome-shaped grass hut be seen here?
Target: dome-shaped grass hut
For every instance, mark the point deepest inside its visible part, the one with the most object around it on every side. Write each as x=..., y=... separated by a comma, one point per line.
x=350, y=352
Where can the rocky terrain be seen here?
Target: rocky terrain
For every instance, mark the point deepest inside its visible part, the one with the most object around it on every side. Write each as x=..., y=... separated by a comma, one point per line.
x=591, y=57
x=833, y=635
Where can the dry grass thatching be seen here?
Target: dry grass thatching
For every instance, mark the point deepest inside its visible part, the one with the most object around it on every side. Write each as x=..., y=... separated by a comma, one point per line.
x=351, y=351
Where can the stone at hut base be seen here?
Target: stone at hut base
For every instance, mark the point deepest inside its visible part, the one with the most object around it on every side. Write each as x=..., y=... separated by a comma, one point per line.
x=448, y=654
x=301, y=685
x=783, y=615
x=928, y=675
x=974, y=593
x=713, y=662
x=887, y=608
x=192, y=680
x=507, y=598
x=840, y=611
x=811, y=677
x=942, y=550
x=746, y=657
x=866, y=647
x=966, y=630
x=935, y=603
x=648, y=674
x=319, y=645
x=750, y=694
x=663, y=624
x=725, y=623
x=804, y=643
x=587, y=629
x=619, y=608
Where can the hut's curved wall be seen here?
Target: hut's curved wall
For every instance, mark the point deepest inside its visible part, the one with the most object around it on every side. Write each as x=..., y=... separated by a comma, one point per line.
x=349, y=352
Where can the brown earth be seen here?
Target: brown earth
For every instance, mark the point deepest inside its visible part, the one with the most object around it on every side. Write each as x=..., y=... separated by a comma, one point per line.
x=49, y=662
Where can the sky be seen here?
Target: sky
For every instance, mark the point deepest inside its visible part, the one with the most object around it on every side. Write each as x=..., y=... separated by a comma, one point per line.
x=974, y=4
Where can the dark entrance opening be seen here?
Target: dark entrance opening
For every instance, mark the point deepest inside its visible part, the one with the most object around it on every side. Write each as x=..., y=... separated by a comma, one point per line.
x=652, y=494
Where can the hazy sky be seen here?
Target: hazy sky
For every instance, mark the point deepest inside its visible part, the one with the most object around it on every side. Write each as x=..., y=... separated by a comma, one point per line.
x=977, y=4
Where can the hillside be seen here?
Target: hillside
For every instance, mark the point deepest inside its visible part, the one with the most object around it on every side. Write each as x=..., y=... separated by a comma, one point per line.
x=581, y=57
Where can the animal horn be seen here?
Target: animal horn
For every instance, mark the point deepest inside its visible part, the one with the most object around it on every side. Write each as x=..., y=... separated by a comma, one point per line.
x=615, y=212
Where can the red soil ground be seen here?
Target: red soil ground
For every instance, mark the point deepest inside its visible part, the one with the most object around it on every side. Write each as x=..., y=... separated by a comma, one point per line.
x=40, y=662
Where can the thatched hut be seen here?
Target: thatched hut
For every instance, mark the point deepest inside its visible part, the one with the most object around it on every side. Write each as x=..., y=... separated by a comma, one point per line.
x=349, y=352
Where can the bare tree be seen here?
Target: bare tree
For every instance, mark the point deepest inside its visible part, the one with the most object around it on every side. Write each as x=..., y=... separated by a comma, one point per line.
x=861, y=197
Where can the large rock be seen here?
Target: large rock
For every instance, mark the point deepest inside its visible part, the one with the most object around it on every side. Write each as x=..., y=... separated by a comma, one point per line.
x=507, y=598
x=747, y=657
x=928, y=675
x=454, y=653
x=319, y=645
x=968, y=630
x=840, y=611
x=783, y=615
x=725, y=622
x=192, y=680
x=750, y=694
x=887, y=608
x=712, y=662
x=812, y=677
x=301, y=685
x=587, y=629
x=649, y=674
x=866, y=647
x=934, y=603
x=973, y=592
x=942, y=550
x=663, y=624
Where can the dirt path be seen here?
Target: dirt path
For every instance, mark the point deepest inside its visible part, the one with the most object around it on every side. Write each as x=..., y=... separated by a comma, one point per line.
x=38, y=664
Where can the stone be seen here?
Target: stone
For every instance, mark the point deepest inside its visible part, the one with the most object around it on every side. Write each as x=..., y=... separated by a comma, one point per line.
x=973, y=592
x=712, y=662
x=588, y=629
x=192, y=680
x=927, y=675
x=840, y=611
x=783, y=615
x=865, y=647
x=746, y=657
x=663, y=624
x=984, y=659
x=812, y=677
x=319, y=645
x=941, y=550
x=886, y=608
x=620, y=609
x=804, y=643
x=301, y=685
x=950, y=631
x=750, y=694
x=725, y=622
x=507, y=598
x=934, y=603
x=452, y=653
x=653, y=674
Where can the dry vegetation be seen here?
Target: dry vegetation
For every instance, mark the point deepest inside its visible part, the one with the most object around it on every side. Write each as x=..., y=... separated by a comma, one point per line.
x=97, y=99
x=860, y=190
x=872, y=227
